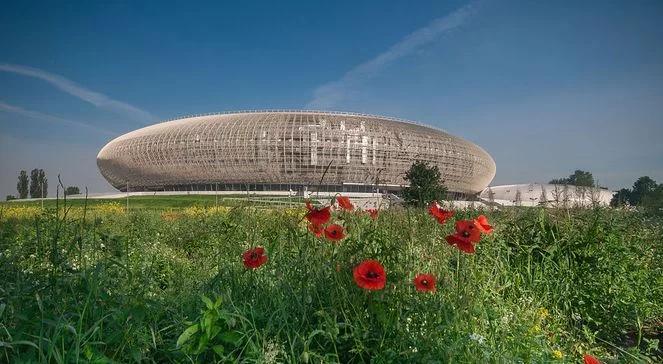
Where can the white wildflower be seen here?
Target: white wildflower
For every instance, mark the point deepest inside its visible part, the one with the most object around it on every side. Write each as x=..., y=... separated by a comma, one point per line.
x=478, y=338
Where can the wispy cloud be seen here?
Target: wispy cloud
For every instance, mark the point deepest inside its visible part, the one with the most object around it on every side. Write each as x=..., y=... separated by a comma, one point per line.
x=50, y=118
x=95, y=98
x=330, y=94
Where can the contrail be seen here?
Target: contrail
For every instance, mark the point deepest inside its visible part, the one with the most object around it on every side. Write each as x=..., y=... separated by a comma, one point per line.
x=332, y=93
x=95, y=98
x=41, y=116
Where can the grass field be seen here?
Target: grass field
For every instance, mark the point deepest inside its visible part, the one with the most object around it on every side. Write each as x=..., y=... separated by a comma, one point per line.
x=157, y=202
x=168, y=285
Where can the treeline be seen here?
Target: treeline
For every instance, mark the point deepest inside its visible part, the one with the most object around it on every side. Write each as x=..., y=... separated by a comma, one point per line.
x=36, y=185
x=645, y=193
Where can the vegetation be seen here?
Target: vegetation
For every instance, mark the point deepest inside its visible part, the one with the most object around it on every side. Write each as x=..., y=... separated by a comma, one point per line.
x=38, y=183
x=96, y=284
x=646, y=193
x=578, y=178
x=22, y=185
x=425, y=185
x=72, y=190
x=10, y=197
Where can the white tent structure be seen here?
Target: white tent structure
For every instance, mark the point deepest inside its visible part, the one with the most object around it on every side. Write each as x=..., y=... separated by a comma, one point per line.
x=537, y=194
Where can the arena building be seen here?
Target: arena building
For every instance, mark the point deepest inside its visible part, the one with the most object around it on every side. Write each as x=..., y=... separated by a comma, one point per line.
x=289, y=151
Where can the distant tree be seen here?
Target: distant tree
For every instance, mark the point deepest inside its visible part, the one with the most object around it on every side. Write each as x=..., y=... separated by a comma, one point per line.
x=35, y=189
x=10, y=197
x=652, y=202
x=71, y=190
x=23, y=185
x=621, y=198
x=44, y=183
x=641, y=187
x=426, y=184
x=578, y=178
x=38, y=183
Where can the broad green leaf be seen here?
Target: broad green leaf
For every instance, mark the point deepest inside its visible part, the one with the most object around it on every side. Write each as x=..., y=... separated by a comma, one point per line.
x=186, y=335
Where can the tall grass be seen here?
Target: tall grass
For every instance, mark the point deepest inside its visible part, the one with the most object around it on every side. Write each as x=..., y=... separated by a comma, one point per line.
x=548, y=285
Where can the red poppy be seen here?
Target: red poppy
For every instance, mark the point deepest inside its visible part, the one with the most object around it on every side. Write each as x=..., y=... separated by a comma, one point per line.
x=588, y=359
x=373, y=213
x=317, y=216
x=254, y=258
x=370, y=275
x=334, y=232
x=464, y=245
x=425, y=282
x=482, y=224
x=440, y=214
x=467, y=229
x=344, y=203
x=315, y=229
x=467, y=234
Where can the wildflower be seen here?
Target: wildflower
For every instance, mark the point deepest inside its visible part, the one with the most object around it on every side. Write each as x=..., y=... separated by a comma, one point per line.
x=425, y=282
x=482, y=224
x=557, y=354
x=254, y=258
x=467, y=234
x=317, y=216
x=315, y=229
x=334, y=232
x=543, y=313
x=478, y=338
x=439, y=213
x=373, y=213
x=370, y=275
x=588, y=359
x=344, y=203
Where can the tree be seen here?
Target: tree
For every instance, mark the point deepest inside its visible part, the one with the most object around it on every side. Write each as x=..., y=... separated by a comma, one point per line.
x=643, y=186
x=621, y=198
x=43, y=182
x=426, y=184
x=23, y=185
x=578, y=178
x=652, y=202
x=35, y=189
x=10, y=197
x=38, y=183
x=71, y=190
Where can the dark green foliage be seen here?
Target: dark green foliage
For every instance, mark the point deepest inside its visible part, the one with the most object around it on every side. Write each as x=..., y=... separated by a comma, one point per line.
x=621, y=198
x=426, y=185
x=22, y=186
x=128, y=288
x=578, y=178
x=72, y=190
x=38, y=183
x=10, y=197
x=646, y=194
x=641, y=188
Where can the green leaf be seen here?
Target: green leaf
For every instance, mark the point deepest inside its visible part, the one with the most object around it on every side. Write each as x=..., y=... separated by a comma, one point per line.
x=218, y=349
x=186, y=335
x=208, y=302
x=231, y=337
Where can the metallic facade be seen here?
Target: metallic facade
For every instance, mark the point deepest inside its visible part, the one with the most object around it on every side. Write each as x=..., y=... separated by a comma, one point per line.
x=276, y=150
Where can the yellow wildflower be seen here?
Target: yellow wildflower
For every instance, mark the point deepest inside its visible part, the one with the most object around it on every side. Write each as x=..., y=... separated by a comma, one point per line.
x=557, y=354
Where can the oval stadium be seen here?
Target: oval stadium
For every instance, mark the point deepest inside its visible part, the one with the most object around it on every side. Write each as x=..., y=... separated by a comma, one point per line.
x=289, y=150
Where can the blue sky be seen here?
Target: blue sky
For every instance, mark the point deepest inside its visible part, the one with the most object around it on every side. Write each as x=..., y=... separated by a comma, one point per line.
x=544, y=87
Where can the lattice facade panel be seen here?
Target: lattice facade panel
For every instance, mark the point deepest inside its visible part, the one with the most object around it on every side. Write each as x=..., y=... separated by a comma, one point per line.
x=273, y=149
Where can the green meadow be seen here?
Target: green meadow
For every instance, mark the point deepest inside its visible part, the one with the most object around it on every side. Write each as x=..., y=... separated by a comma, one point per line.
x=165, y=283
